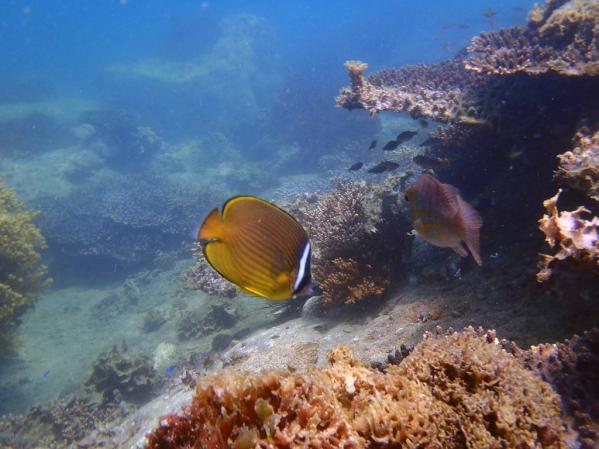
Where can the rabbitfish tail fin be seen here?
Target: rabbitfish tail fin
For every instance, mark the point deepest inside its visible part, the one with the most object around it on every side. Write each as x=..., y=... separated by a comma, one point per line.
x=212, y=228
x=471, y=224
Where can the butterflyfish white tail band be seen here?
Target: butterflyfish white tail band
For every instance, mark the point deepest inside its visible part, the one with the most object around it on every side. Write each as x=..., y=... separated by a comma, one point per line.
x=303, y=265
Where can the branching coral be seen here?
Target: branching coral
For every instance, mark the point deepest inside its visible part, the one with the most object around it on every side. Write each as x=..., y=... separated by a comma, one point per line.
x=353, y=254
x=453, y=392
x=577, y=237
x=579, y=168
x=562, y=38
x=21, y=275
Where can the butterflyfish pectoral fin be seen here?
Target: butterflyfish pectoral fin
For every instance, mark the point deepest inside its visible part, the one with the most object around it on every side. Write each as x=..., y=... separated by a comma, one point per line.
x=212, y=228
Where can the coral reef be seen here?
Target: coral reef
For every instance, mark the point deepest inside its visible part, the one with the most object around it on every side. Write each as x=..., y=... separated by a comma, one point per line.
x=563, y=38
x=353, y=255
x=577, y=237
x=457, y=391
x=120, y=222
x=120, y=375
x=59, y=423
x=22, y=277
x=579, y=168
x=571, y=369
x=120, y=140
x=199, y=322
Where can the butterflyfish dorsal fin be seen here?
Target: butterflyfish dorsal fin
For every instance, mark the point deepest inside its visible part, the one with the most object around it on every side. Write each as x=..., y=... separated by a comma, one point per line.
x=212, y=228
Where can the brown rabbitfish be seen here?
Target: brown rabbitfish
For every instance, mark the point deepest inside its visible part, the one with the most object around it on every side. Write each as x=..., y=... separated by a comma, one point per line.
x=441, y=217
x=259, y=247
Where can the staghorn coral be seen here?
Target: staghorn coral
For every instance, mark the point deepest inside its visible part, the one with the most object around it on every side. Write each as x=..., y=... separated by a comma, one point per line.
x=579, y=168
x=357, y=235
x=563, y=38
x=571, y=368
x=457, y=391
x=21, y=275
x=120, y=375
x=578, y=238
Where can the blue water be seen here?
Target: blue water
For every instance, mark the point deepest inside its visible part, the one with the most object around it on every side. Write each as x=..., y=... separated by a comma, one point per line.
x=250, y=83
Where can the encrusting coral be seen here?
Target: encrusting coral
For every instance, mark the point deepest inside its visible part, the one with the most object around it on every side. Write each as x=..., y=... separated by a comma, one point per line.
x=21, y=275
x=577, y=237
x=561, y=38
x=458, y=391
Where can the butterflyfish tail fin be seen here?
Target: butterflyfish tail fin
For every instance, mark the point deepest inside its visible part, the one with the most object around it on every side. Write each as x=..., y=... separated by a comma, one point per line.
x=471, y=224
x=212, y=228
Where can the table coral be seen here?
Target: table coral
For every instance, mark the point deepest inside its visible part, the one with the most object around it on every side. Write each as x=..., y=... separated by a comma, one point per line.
x=457, y=391
x=444, y=91
x=579, y=168
x=563, y=38
x=22, y=277
x=577, y=237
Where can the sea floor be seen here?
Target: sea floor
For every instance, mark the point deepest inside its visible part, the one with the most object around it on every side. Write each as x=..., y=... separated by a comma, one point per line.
x=64, y=333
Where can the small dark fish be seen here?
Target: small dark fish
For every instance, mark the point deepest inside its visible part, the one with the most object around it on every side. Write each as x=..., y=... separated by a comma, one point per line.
x=45, y=373
x=423, y=123
x=373, y=144
x=391, y=145
x=169, y=371
x=356, y=166
x=431, y=162
x=405, y=136
x=384, y=166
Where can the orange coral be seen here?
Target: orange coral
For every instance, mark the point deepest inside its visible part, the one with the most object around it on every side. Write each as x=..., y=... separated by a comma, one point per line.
x=458, y=391
x=578, y=238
